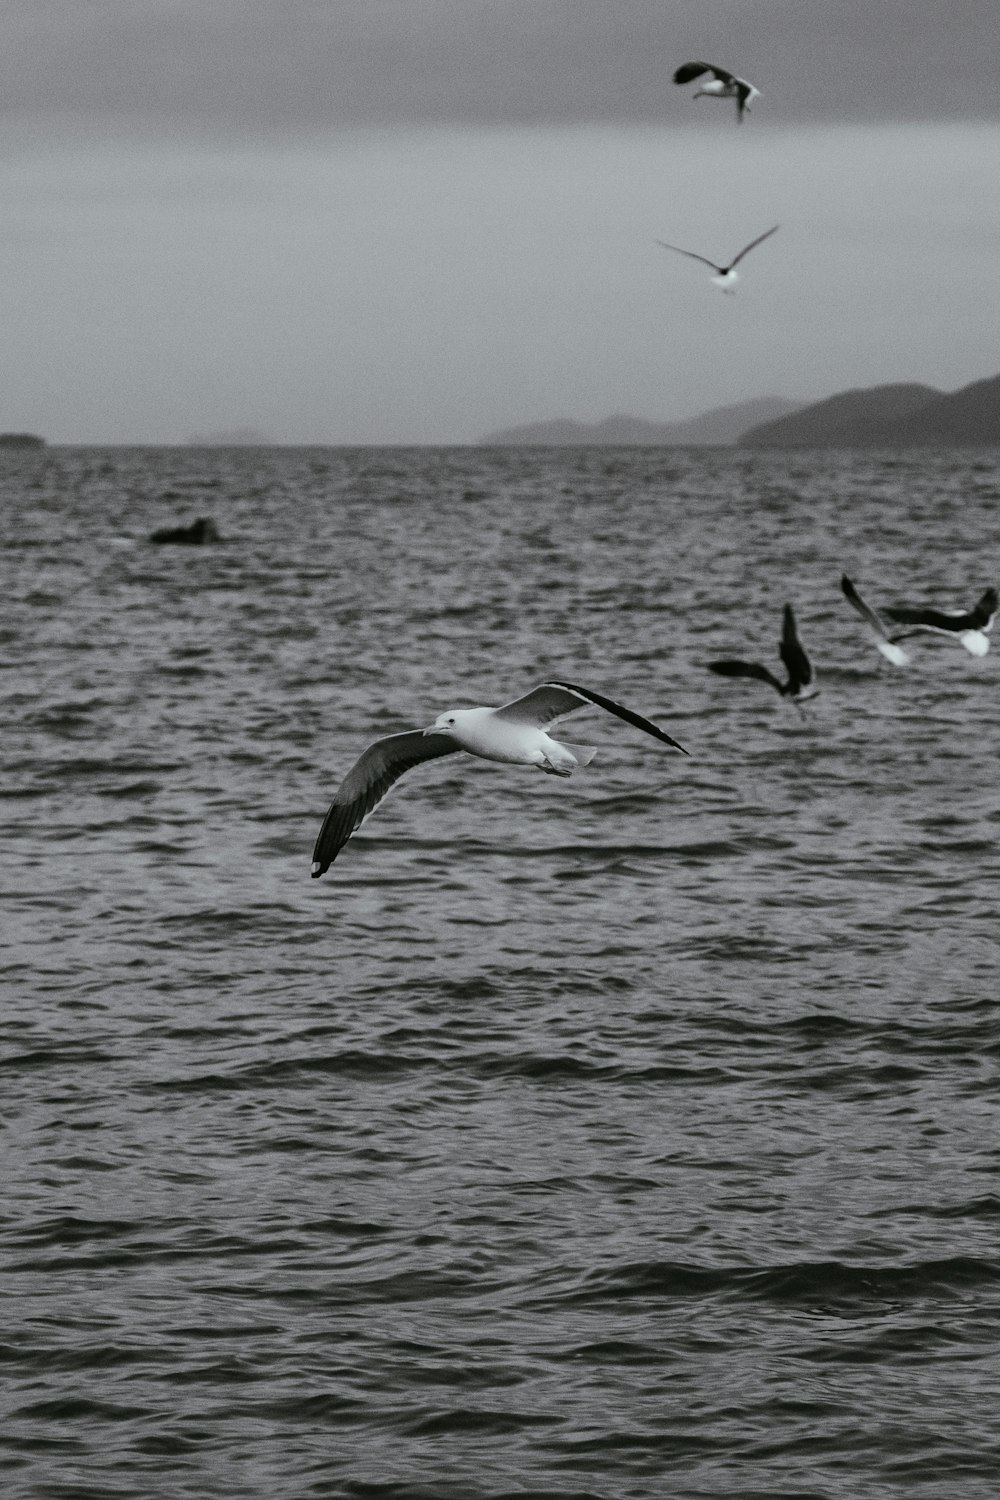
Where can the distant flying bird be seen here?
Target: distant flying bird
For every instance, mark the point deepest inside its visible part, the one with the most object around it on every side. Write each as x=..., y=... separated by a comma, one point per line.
x=726, y=276
x=721, y=85
x=515, y=732
x=800, y=684
x=885, y=642
x=969, y=626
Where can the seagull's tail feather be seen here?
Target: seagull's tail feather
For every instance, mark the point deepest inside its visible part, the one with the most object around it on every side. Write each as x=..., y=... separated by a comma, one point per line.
x=582, y=754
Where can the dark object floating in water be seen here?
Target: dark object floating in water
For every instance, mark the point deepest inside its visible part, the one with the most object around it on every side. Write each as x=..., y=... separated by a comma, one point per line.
x=200, y=531
x=797, y=664
x=21, y=440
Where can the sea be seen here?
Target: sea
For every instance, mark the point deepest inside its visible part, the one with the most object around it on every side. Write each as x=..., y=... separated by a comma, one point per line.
x=618, y=1137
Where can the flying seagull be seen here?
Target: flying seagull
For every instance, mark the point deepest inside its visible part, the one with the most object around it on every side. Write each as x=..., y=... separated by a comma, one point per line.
x=726, y=276
x=799, y=685
x=885, y=642
x=970, y=626
x=721, y=85
x=516, y=732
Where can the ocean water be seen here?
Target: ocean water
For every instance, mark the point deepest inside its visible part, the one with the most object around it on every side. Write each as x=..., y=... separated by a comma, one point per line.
x=634, y=1135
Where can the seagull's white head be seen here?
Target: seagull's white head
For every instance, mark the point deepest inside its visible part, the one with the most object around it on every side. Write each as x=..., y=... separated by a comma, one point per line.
x=450, y=722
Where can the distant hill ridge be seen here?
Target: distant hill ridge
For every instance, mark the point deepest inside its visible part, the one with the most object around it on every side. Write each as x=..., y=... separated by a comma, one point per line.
x=719, y=427
x=888, y=416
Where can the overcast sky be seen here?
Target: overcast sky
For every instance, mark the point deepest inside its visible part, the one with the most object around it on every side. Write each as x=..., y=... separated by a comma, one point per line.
x=419, y=220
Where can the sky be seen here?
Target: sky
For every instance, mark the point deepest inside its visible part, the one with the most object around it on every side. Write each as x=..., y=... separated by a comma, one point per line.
x=418, y=221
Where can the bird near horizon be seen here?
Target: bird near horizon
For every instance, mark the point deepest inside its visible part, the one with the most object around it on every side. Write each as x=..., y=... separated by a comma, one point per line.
x=721, y=85
x=800, y=683
x=726, y=277
x=970, y=627
x=516, y=733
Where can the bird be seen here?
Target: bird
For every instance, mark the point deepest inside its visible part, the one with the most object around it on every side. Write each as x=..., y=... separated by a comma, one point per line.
x=885, y=642
x=722, y=85
x=726, y=276
x=970, y=626
x=800, y=684
x=516, y=733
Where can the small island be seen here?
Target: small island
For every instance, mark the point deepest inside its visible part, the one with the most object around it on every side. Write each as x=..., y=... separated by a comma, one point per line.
x=21, y=440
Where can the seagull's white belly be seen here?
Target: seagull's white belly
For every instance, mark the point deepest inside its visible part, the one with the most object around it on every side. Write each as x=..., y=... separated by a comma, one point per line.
x=480, y=732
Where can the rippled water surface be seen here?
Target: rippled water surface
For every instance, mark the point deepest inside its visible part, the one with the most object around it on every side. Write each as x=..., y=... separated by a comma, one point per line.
x=633, y=1135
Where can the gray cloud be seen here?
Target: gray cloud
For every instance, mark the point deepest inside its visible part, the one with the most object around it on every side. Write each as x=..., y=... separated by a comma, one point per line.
x=315, y=64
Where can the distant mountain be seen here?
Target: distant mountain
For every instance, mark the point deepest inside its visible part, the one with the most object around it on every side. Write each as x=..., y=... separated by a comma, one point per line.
x=967, y=416
x=889, y=416
x=717, y=428
x=852, y=419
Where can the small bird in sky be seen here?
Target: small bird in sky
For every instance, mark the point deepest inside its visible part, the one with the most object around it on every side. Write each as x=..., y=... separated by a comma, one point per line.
x=726, y=276
x=800, y=683
x=721, y=85
x=516, y=732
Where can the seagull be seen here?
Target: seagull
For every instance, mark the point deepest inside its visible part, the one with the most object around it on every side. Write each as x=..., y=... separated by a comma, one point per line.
x=970, y=626
x=800, y=683
x=885, y=642
x=515, y=732
x=722, y=85
x=726, y=277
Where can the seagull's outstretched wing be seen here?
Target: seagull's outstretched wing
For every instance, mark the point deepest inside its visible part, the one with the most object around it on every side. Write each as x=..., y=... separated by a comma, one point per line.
x=730, y=668
x=792, y=652
x=951, y=621
x=554, y=700
x=983, y=615
x=688, y=72
x=367, y=782
x=885, y=643
x=693, y=256
x=752, y=245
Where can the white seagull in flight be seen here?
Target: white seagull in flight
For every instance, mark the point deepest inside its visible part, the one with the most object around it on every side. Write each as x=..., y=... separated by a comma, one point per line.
x=726, y=276
x=969, y=626
x=516, y=732
x=799, y=685
x=721, y=85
